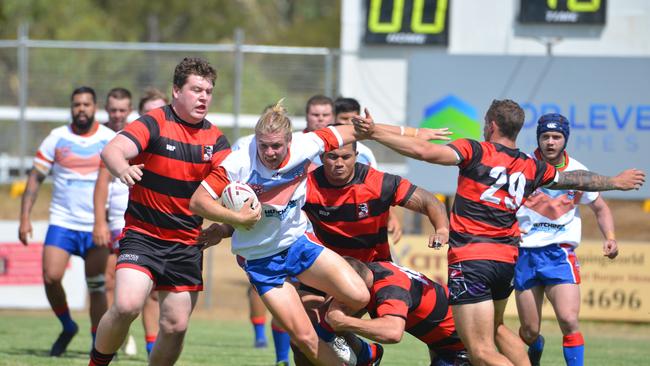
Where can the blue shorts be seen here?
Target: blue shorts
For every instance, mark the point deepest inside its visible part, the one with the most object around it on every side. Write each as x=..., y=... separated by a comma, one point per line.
x=269, y=272
x=549, y=265
x=72, y=241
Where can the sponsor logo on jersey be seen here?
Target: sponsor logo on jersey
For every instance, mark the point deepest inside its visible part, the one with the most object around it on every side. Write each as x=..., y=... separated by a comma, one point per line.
x=207, y=152
x=362, y=210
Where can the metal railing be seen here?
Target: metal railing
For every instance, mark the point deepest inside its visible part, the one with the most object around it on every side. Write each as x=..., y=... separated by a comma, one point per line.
x=37, y=77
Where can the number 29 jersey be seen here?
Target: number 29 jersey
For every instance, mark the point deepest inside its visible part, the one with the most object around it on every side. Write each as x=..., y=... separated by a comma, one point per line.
x=493, y=182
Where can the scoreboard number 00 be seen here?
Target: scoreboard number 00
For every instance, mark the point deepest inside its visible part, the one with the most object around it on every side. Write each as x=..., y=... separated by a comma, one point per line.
x=407, y=21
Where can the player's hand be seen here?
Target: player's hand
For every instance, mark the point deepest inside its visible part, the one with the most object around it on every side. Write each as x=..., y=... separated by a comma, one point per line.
x=630, y=179
x=364, y=126
x=610, y=248
x=131, y=175
x=394, y=228
x=248, y=216
x=438, y=134
x=335, y=318
x=438, y=239
x=101, y=234
x=25, y=231
x=212, y=235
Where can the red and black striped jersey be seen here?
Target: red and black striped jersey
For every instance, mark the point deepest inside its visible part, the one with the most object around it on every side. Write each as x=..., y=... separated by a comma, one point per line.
x=493, y=182
x=352, y=219
x=400, y=291
x=177, y=156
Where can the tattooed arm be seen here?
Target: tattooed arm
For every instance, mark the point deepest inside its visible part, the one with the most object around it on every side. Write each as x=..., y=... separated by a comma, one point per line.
x=426, y=203
x=584, y=180
x=34, y=181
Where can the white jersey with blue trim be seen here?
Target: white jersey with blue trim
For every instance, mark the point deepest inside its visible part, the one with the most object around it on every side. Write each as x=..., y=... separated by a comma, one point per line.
x=74, y=162
x=552, y=216
x=280, y=191
x=242, y=141
x=118, y=201
x=366, y=156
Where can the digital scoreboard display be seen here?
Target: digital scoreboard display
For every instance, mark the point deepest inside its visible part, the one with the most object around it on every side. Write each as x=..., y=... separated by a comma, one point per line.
x=407, y=22
x=563, y=11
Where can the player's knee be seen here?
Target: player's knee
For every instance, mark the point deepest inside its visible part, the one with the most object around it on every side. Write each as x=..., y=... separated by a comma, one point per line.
x=51, y=277
x=480, y=355
x=126, y=307
x=307, y=341
x=528, y=334
x=174, y=325
x=568, y=323
x=109, y=282
x=96, y=284
x=153, y=296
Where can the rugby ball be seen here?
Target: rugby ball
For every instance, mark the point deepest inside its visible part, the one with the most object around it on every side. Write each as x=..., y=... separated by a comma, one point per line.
x=236, y=194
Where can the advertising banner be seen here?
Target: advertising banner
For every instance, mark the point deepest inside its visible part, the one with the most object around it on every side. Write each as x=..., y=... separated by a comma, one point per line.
x=616, y=289
x=605, y=100
x=21, y=280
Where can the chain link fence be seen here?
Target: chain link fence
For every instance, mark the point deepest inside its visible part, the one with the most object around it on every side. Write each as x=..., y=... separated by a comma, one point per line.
x=250, y=77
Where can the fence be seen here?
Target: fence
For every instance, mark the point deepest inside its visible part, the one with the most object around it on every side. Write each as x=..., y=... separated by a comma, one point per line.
x=37, y=77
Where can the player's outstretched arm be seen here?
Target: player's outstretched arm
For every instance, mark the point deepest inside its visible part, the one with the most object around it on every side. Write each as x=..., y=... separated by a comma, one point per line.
x=355, y=133
x=205, y=206
x=34, y=181
x=413, y=147
x=426, y=203
x=584, y=180
x=386, y=329
x=605, y=221
x=440, y=134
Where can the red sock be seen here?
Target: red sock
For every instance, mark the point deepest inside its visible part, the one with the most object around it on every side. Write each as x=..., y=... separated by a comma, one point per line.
x=257, y=320
x=150, y=338
x=573, y=340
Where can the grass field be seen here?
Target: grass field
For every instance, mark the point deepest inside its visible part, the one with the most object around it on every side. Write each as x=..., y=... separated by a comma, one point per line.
x=25, y=338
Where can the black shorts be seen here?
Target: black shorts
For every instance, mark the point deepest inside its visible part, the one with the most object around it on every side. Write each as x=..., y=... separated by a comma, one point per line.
x=479, y=280
x=171, y=266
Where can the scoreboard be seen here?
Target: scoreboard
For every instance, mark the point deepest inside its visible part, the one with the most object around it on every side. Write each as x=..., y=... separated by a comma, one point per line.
x=563, y=11
x=407, y=22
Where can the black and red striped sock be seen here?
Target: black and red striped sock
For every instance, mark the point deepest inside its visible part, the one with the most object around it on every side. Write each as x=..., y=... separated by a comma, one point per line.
x=100, y=359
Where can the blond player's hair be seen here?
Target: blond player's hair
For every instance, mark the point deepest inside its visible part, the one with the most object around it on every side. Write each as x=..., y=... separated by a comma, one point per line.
x=274, y=120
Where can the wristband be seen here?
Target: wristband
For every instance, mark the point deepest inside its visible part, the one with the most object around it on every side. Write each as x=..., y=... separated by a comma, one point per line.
x=401, y=130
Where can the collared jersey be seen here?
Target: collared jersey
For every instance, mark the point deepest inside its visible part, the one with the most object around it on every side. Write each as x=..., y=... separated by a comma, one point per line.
x=280, y=191
x=402, y=292
x=552, y=216
x=74, y=162
x=352, y=219
x=177, y=156
x=493, y=182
